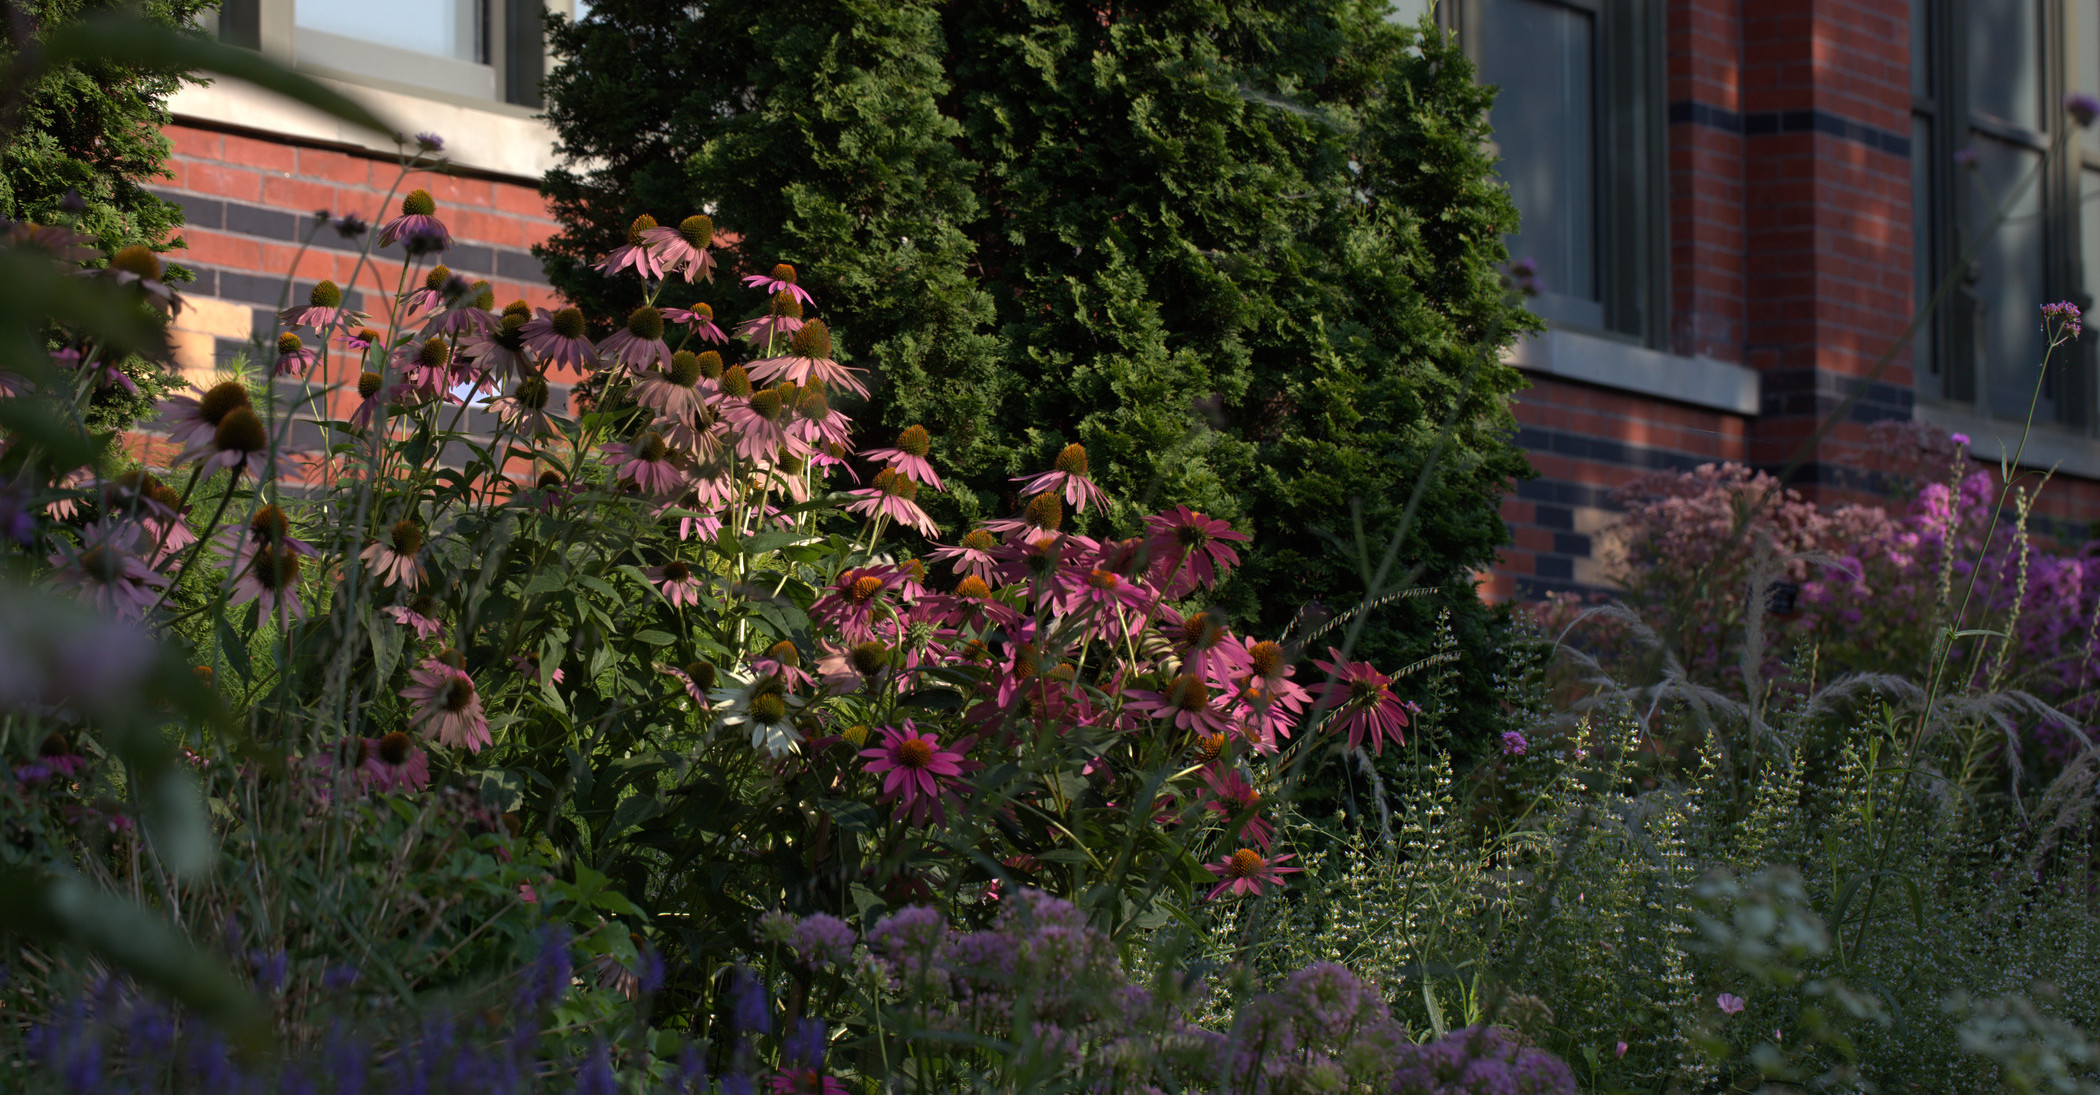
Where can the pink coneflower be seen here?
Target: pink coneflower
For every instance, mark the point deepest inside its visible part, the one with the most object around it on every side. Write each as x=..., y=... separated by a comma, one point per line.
x=439, y=287
x=61, y=244
x=294, y=358
x=850, y=604
x=809, y=355
x=1246, y=872
x=684, y=248
x=1363, y=702
x=417, y=227
x=701, y=436
x=1184, y=541
x=394, y=559
x=428, y=365
x=110, y=571
x=1041, y=517
x=323, y=309
x=447, y=706
x=637, y=254
x=783, y=660
x=1068, y=475
x=189, y=419
x=419, y=615
x=1103, y=592
x=640, y=344
x=271, y=580
x=67, y=505
x=268, y=529
x=1234, y=799
x=392, y=763
x=648, y=463
x=1187, y=702
x=972, y=603
x=681, y=389
x=698, y=679
x=816, y=423
x=917, y=772
x=677, y=582
x=806, y=1081
x=849, y=669
x=893, y=496
x=362, y=339
x=241, y=443
x=699, y=321
x=1267, y=699
x=155, y=505
x=973, y=556
x=760, y=425
x=524, y=410
x=139, y=267
x=1206, y=648
x=781, y=280
x=557, y=339
x=371, y=392
x=783, y=317
x=468, y=315
x=909, y=456
x=499, y=348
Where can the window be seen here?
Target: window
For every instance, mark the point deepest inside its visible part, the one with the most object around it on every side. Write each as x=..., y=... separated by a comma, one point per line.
x=1987, y=81
x=472, y=49
x=1578, y=126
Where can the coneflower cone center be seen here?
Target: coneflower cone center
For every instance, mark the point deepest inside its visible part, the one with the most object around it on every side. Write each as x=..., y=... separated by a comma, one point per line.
x=1045, y=511
x=900, y=487
x=459, y=693
x=1188, y=693
x=864, y=589
x=785, y=304
x=1200, y=630
x=452, y=657
x=973, y=587
x=979, y=540
x=736, y=382
x=1244, y=863
x=870, y=658
x=368, y=385
x=288, y=343
x=435, y=279
x=651, y=447
x=221, y=400
x=813, y=340
x=785, y=653
x=684, y=370
x=1267, y=658
x=710, y=364
x=549, y=479
x=484, y=296
x=1208, y=746
x=424, y=605
x=407, y=537
x=102, y=563
x=1192, y=536
x=277, y=568
x=915, y=753
x=1363, y=691
x=518, y=308
x=641, y=224
x=675, y=571
x=1104, y=579
x=813, y=405
x=568, y=323
x=646, y=323
x=270, y=525
x=702, y=674
x=325, y=294
x=434, y=353
x=769, y=707
x=240, y=431
x=784, y=272
x=532, y=394
x=699, y=231
x=418, y=203
x=1072, y=461
x=766, y=404
x=916, y=441
x=137, y=259
x=393, y=749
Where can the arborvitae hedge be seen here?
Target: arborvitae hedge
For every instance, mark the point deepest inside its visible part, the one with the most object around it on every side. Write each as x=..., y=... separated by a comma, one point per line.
x=82, y=145
x=1244, y=251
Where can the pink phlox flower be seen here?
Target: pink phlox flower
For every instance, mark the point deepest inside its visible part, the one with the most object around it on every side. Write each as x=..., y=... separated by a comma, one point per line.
x=447, y=705
x=1247, y=872
x=1362, y=701
x=677, y=582
x=917, y=772
x=1233, y=799
x=1187, y=702
x=1183, y=540
x=109, y=570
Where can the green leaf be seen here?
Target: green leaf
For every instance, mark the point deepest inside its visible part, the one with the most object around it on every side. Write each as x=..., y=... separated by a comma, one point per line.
x=656, y=638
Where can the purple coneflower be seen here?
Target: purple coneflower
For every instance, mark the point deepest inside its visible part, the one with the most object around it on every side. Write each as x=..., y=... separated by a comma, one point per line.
x=268, y=529
x=524, y=410
x=447, y=706
x=1183, y=540
x=417, y=227
x=323, y=309
x=1069, y=475
x=684, y=248
x=1233, y=799
x=392, y=763
x=677, y=582
x=699, y=320
x=1187, y=703
x=271, y=580
x=294, y=358
x=1207, y=648
x=640, y=344
x=697, y=677
x=893, y=496
x=419, y=615
x=428, y=365
x=556, y=338
x=499, y=347
x=440, y=287
x=1103, y=591
x=394, y=560
x=241, y=443
x=849, y=669
x=916, y=772
x=371, y=389
x=816, y=423
x=783, y=316
x=188, y=419
x=1363, y=702
x=781, y=280
x=110, y=572
x=362, y=339
x=138, y=266
x=638, y=252
x=850, y=604
x=760, y=425
x=909, y=456
x=682, y=388
x=973, y=556
x=1246, y=872
x=648, y=463
x=809, y=355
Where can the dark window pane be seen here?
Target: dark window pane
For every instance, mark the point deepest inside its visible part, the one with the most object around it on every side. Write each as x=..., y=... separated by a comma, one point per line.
x=2005, y=71
x=1920, y=47
x=1924, y=279
x=2010, y=283
x=446, y=28
x=1542, y=57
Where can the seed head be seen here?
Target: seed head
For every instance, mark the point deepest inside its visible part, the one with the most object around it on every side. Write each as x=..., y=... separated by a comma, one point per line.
x=785, y=653
x=697, y=230
x=767, y=404
x=1244, y=863
x=684, y=370
x=137, y=259
x=710, y=364
x=914, y=753
x=1045, y=511
x=855, y=735
x=640, y=225
x=676, y=571
x=434, y=353
x=277, y=568
x=812, y=404
x=646, y=323
x=418, y=203
x=368, y=385
x=484, y=296
x=393, y=749
x=407, y=537
x=1188, y=693
x=870, y=658
x=702, y=674
x=785, y=304
x=769, y=707
x=1072, y=461
x=979, y=540
x=736, y=382
x=569, y=323
x=915, y=440
x=813, y=340
x=436, y=278
x=241, y=431
x=270, y=525
x=459, y=693
x=325, y=294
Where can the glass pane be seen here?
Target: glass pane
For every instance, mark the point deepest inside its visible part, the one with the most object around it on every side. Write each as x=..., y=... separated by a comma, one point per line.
x=2005, y=54
x=2089, y=230
x=2085, y=37
x=2009, y=281
x=1924, y=278
x=1541, y=56
x=445, y=28
x=1920, y=47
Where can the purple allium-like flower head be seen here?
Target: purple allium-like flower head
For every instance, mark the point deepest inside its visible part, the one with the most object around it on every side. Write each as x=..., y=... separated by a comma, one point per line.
x=2065, y=316
x=1513, y=743
x=823, y=940
x=430, y=142
x=2082, y=107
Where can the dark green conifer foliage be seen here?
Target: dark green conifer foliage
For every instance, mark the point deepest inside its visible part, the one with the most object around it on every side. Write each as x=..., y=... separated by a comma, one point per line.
x=1246, y=252
x=92, y=135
